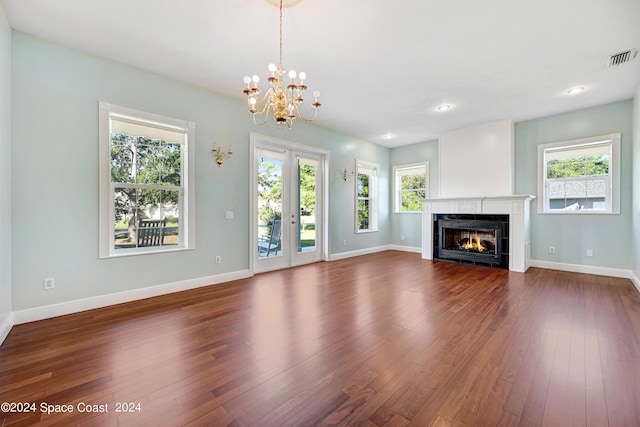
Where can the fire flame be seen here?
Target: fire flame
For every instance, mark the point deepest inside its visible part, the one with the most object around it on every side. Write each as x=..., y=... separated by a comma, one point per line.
x=474, y=244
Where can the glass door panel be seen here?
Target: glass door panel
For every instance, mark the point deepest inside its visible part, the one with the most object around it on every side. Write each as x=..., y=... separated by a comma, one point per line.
x=308, y=208
x=307, y=176
x=270, y=204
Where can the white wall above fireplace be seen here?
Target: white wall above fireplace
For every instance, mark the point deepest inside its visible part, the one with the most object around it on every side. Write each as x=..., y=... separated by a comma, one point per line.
x=477, y=161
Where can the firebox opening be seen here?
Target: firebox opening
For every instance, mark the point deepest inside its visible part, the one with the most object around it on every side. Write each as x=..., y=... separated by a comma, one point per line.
x=470, y=240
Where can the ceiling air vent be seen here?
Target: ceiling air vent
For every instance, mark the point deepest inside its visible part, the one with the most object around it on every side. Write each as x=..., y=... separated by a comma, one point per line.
x=622, y=57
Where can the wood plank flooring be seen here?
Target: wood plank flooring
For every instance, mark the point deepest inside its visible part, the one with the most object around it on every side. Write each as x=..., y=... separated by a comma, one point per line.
x=386, y=339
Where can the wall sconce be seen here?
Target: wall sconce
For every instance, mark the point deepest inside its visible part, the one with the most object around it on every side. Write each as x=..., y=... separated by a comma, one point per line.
x=347, y=175
x=221, y=155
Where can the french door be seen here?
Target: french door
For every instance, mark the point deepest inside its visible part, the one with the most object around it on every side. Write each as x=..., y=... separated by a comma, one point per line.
x=288, y=204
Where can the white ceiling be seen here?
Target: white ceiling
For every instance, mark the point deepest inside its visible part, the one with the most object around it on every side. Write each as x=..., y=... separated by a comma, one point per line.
x=381, y=66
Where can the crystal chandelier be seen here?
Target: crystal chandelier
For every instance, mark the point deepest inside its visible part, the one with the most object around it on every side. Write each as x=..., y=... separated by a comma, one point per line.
x=282, y=100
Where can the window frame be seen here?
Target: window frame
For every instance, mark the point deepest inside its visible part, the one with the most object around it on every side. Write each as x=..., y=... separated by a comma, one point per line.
x=397, y=185
x=612, y=192
x=186, y=190
x=372, y=170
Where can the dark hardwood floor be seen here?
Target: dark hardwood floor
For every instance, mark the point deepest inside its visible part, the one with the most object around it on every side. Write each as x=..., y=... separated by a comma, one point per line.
x=380, y=340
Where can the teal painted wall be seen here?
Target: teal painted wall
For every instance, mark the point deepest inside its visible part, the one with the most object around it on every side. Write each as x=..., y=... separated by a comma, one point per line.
x=636, y=183
x=5, y=169
x=55, y=176
x=409, y=225
x=609, y=236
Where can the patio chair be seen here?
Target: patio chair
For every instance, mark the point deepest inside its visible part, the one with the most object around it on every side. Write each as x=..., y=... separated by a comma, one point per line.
x=268, y=243
x=151, y=232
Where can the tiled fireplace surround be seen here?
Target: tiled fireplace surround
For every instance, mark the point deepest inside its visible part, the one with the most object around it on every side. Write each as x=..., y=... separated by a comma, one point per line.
x=517, y=207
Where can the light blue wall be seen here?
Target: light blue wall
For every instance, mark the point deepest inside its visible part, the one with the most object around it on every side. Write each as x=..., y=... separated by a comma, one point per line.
x=409, y=225
x=5, y=171
x=342, y=194
x=609, y=236
x=55, y=180
x=636, y=183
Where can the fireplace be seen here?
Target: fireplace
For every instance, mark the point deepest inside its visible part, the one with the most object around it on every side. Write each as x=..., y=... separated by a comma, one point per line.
x=511, y=211
x=475, y=239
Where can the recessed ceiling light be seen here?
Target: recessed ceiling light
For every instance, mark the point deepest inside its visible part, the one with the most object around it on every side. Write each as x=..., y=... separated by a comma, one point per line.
x=444, y=107
x=576, y=90
x=388, y=136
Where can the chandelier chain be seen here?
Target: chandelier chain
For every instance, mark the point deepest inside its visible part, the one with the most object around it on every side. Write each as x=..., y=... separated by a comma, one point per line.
x=280, y=64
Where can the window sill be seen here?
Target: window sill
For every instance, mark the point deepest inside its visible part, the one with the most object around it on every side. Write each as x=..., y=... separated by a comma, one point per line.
x=407, y=212
x=144, y=252
x=578, y=213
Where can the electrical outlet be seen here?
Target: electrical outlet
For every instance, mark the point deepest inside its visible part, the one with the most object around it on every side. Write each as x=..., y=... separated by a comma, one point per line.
x=402, y=237
x=49, y=283
x=228, y=215
x=344, y=242
x=589, y=252
x=218, y=259
x=552, y=249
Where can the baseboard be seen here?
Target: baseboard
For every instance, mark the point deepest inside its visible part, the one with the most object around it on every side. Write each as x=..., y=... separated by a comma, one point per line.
x=5, y=326
x=358, y=252
x=69, y=307
x=401, y=248
x=578, y=268
x=635, y=280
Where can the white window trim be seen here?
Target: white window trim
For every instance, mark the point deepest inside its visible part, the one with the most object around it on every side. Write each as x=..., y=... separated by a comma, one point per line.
x=613, y=204
x=397, y=198
x=106, y=202
x=373, y=196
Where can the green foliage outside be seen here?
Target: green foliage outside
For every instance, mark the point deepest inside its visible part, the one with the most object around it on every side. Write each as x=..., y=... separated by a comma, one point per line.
x=307, y=175
x=363, y=214
x=363, y=201
x=578, y=166
x=412, y=190
x=269, y=191
x=270, y=197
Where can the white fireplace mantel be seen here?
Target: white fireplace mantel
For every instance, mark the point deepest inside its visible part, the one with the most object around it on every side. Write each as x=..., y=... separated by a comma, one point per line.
x=517, y=207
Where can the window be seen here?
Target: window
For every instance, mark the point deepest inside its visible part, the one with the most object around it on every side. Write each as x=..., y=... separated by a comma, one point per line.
x=410, y=187
x=366, y=197
x=580, y=176
x=146, y=204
